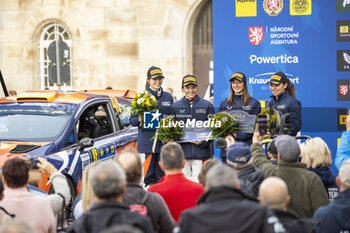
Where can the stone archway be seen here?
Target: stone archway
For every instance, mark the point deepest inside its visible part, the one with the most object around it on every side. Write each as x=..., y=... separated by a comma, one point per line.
x=198, y=49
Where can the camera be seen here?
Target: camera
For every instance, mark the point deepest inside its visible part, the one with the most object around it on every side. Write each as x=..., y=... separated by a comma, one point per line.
x=220, y=143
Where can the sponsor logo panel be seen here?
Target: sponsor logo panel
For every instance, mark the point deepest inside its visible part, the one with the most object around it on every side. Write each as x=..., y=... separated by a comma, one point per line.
x=342, y=115
x=343, y=60
x=264, y=78
x=343, y=33
x=276, y=35
x=300, y=7
x=343, y=86
x=273, y=7
x=246, y=8
x=343, y=5
x=283, y=59
x=255, y=35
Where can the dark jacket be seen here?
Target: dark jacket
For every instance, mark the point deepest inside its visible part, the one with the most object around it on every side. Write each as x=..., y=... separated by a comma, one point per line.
x=144, y=136
x=200, y=110
x=328, y=180
x=252, y=108
x=335, y=217
x=293, y=224
x=224, y=209
x=250, y=178
x=305, y=188
x=102, y=215
x=157, y=209
x=286, y=103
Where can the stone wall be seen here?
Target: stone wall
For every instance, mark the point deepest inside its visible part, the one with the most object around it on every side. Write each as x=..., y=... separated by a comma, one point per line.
x=114, y=41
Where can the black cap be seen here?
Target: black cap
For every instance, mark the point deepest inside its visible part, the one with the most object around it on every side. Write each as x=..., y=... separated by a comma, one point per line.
x=154, y=72
x=272, y=148
x=189, y=79
x=278, y=78
x=239, y=76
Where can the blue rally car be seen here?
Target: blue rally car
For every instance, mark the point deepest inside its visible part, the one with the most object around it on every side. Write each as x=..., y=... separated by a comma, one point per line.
x=71, y=130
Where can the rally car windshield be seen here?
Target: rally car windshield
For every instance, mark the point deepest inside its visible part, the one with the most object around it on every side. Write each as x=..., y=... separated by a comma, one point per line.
x=34, y=123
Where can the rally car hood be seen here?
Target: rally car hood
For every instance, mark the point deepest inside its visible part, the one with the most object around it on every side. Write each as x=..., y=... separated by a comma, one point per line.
x=10, y=149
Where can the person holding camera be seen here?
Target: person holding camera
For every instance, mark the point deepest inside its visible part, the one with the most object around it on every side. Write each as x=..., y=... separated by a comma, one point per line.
x=283, y=100
x=144, y=136
x=239, y=99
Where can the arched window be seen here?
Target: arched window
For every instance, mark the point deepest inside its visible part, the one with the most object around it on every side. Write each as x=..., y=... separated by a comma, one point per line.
x=203, y=47
x=55, y=57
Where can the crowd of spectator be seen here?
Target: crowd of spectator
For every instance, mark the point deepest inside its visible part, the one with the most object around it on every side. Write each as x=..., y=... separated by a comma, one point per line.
x=289, y=189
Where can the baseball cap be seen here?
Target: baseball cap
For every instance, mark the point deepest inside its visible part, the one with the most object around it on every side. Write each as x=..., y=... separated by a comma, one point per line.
x=154, y=72
x=189, y=79
x=239, y=76
x=288, y=147
x=278, y=78
x=239, y=152
x=344, y=173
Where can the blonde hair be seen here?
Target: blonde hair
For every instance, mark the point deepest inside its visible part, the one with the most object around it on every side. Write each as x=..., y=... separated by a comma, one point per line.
x=315, y=153
x=87, y=196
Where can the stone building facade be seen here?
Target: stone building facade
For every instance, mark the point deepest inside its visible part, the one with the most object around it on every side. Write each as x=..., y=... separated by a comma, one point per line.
x=108, y=42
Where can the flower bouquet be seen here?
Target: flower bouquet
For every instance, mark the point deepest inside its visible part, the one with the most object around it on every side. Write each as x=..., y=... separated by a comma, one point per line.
x=168, y=130
x=143, y=102
x=228, y=125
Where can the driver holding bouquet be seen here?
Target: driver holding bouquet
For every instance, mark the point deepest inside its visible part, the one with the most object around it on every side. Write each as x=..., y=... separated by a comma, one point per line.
x=151, y=169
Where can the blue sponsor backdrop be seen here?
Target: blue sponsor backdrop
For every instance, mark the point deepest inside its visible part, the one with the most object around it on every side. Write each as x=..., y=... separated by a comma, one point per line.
x=303, y=46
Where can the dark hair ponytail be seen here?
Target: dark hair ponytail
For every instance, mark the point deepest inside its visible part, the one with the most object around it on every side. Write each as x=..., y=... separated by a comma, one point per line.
x=147, y=84
x=290, y=88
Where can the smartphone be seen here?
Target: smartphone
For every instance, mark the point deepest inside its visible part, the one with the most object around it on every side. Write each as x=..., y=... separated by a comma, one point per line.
x=262, y=123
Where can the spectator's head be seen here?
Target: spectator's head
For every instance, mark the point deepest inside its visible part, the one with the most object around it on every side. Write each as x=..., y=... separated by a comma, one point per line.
x=108, y=181
x=16, y=226
x=287, y=148
x=211, y=100
x=130, y=161
x=205, y=167
x=15, y=173
x=273, y=193
x=12, y=92
x=315, y=153
x=238, y=155
x=172, y=158
x=343, y=178
x=221, y=175
x=170, y=91
x=109, y=88
x=272, y=150
x=88, y=195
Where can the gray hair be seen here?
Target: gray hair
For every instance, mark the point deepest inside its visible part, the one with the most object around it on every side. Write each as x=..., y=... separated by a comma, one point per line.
x=171, y=155
x=108, y=179
x=221, y=175
x=130, y=161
